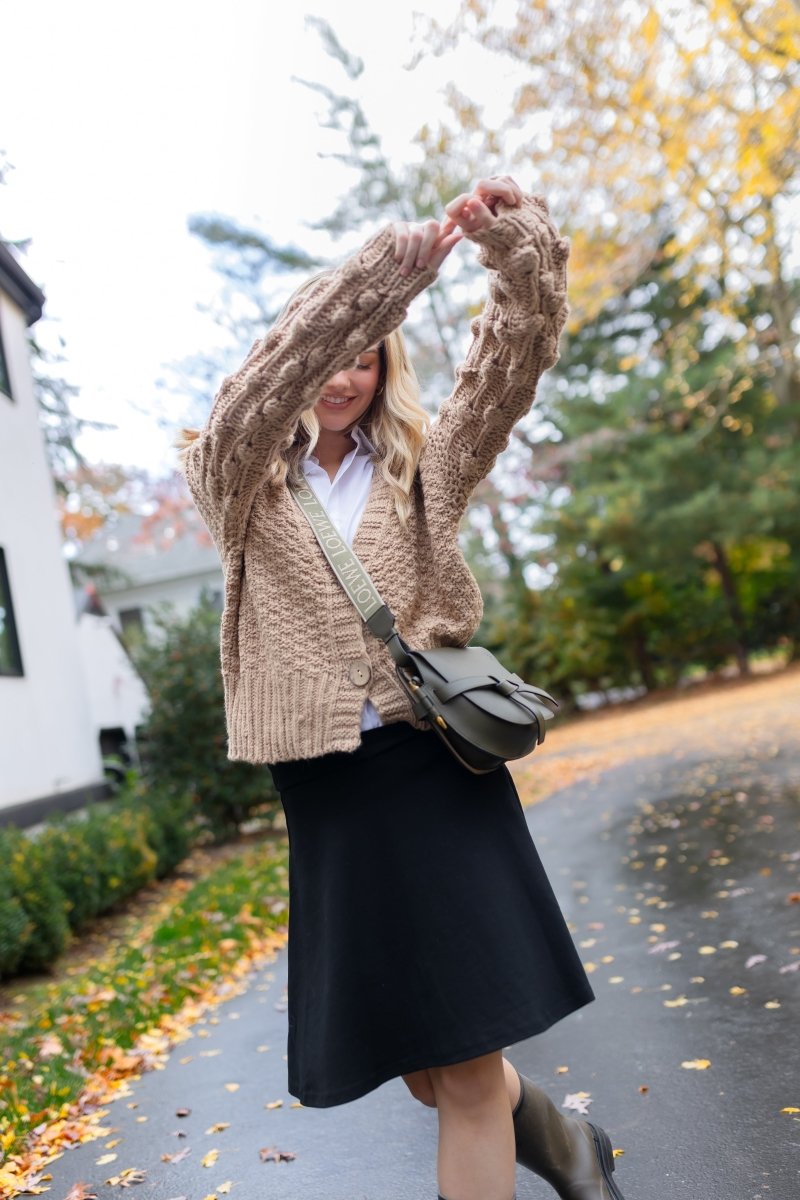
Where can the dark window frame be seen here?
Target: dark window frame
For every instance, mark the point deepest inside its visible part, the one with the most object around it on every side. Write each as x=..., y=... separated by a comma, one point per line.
x=16, y=669
x=131, y=621
x=5, y=376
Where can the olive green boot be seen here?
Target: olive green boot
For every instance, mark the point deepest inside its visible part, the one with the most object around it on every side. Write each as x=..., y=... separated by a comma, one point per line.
x=573, y=1155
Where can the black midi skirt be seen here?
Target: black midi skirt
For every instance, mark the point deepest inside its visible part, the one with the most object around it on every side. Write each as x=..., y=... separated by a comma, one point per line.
x=423, y=929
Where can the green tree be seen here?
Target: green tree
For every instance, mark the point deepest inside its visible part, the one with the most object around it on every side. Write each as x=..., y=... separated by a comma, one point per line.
x=184, y=738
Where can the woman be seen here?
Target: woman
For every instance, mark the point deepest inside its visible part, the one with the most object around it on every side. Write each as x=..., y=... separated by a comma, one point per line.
x=424, y=934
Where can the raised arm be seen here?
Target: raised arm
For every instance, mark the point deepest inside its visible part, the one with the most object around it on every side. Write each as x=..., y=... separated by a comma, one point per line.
x=257, y=407
x=515, y=339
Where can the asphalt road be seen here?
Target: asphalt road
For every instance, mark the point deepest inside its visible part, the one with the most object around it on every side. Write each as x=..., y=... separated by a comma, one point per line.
x=681, y=884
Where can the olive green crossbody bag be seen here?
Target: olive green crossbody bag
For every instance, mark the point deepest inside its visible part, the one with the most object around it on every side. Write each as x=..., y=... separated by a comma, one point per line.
x=483, y=713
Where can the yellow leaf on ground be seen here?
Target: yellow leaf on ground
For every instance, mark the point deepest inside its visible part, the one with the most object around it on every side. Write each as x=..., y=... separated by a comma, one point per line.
x=696, y=1064
x=274, y=1104
x=209, y=1159
x=104, y=1160
x=232, y=1087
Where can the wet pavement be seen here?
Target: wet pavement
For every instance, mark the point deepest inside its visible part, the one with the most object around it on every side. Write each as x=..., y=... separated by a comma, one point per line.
x=681, y=884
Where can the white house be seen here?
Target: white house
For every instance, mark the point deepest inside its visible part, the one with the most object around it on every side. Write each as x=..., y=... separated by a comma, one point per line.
x=144, y=566
x=118, y=698
x=49, y=750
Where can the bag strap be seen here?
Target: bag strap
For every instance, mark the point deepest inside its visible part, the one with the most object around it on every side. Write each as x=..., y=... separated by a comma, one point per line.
x=351, y=573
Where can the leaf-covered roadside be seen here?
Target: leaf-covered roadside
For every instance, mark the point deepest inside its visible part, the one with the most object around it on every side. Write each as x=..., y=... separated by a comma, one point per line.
x=79, y=1040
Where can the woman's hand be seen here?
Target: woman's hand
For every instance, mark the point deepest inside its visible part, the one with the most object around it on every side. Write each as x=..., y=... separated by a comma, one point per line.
x=423, y=245
x=477, y=210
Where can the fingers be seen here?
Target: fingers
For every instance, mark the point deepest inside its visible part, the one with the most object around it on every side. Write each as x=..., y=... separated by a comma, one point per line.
x=499, y=187
x=470, y=213
x=414, y=244
x=444, y=246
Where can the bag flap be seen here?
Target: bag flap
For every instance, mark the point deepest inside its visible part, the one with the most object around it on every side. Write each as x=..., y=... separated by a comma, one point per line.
x=450, y=663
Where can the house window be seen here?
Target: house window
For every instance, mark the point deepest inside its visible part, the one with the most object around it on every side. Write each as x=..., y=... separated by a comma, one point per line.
x=132, y=624
x=10, y=657
x=5, y=381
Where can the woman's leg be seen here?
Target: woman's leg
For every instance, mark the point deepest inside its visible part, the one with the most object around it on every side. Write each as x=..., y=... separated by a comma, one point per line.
x=573, y=1155
x=477, y=1159
x=421, y=1088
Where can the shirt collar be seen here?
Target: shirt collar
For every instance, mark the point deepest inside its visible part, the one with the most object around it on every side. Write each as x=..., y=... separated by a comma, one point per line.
x=363, y=446
x=363, y=442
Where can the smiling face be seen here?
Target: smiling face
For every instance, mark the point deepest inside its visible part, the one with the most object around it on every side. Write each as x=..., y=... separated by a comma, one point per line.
x=347, y=395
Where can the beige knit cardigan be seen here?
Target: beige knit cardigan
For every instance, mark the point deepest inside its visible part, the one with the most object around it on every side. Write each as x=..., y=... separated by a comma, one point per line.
x=297, y=660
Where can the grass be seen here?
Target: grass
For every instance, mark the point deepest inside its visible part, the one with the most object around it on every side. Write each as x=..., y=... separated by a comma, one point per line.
x=100, y=1020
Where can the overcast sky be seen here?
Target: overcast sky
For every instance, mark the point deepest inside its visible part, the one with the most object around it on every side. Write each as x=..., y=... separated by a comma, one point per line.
x=121, y=123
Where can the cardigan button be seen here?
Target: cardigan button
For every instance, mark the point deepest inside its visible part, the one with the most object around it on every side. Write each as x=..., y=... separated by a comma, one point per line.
x=360, y=672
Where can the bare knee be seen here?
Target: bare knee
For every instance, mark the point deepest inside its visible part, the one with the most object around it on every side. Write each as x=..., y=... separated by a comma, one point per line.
x=421, y=1088
x=470, y=1084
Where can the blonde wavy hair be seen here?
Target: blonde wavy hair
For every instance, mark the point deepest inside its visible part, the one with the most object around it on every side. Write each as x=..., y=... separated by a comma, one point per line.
x=395, y=422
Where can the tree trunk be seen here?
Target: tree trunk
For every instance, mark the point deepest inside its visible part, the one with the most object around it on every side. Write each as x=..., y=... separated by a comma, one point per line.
x=642, y=656
x=734, y=607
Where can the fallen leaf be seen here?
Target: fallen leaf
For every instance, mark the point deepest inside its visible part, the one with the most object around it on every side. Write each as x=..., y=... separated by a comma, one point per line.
x=772, y=1004
x=50, y=1045
x=271, y=1154
x=561, y=1070
x=127, y=1177
x=738, y=991
x=643, y=1087
x=617, y=1153
x=274, y=1104
x=660, y=947
x=225, y=1187
x=790, y=1109
x=104, y=1160
x=696, y=1064
x=232, y=1087
x=176, y=1158
x=755, y=959
x=78, y=1192
x=219, y=1127
x=182, y=1112
x=579, y=1101
x=209, y=1159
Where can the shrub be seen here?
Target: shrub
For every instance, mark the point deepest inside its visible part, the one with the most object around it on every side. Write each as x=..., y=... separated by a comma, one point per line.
x=15, y=924
x=184, y=743
x=118, y=851
x=46, y=931
x=63, y=843
x=171, y=822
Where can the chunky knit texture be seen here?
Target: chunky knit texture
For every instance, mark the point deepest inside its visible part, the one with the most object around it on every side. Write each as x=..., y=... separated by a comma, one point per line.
x=289, y=633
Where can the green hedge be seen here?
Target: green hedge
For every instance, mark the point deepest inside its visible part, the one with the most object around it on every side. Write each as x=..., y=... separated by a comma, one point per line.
x=53, y=883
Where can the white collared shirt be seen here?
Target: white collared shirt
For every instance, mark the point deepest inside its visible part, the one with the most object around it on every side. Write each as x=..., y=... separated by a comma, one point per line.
x=345, y=498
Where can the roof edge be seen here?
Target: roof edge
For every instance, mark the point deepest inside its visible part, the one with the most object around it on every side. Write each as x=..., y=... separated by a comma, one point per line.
x=17, y=284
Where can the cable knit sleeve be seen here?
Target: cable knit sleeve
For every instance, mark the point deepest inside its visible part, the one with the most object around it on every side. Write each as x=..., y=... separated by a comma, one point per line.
x=257, y=407
x=515, y=339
